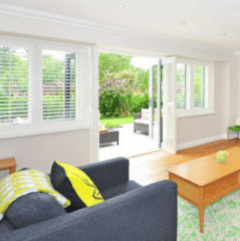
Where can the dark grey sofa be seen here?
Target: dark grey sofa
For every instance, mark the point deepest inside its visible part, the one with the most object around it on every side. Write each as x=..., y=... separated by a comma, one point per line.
x=131, y=212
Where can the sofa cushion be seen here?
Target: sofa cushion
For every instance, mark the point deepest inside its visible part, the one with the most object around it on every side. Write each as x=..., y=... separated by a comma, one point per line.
x=120, y=189
x=33, y=208
x=145, y=114
x=76, y=185
x=141, y=121
x=24, y=182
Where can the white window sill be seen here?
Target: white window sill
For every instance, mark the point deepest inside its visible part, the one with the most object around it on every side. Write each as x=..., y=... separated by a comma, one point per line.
x=191, y=113
x=30, y=130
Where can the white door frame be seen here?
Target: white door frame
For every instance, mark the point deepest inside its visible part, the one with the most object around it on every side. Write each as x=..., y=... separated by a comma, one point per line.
x=93, y=111
x=94, y=114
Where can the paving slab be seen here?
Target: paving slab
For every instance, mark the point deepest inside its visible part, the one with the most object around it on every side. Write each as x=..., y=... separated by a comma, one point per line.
x=130, y=144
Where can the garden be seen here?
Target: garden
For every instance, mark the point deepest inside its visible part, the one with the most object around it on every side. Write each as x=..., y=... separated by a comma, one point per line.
x=124, y=89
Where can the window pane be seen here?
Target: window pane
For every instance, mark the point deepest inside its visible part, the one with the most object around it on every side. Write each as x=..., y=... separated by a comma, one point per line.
x=58, y=85
x=181, y=87
x=14, y=68
x=199, y=86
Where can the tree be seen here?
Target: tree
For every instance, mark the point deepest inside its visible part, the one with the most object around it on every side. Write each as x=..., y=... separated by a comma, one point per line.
x=13, y=70
x=142, y=80
x=116, y=91
x=112, y=63
x=118, y=96
x=53, y=69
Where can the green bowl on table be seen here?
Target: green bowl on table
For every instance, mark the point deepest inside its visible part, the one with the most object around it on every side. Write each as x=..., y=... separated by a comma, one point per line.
x=222, y=156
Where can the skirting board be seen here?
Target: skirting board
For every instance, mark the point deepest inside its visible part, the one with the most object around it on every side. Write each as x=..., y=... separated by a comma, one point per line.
x=202, y=141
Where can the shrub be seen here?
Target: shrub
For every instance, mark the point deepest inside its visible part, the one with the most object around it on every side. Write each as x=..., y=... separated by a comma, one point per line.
x=109, y=104
x=138, y=102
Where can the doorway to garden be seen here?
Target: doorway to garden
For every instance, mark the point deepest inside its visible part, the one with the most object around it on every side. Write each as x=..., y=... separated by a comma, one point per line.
x=130, y=105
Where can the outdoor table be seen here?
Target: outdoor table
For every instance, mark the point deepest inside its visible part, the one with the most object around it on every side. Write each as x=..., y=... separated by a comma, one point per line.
x=110, y=136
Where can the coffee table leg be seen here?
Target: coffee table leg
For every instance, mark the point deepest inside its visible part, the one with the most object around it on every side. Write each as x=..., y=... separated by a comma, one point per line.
x=201, y=210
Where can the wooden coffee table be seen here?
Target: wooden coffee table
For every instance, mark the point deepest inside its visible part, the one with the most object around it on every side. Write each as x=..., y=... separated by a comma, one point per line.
x=204, y=180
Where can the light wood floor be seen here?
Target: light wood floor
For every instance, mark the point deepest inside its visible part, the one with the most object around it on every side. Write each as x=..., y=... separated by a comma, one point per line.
x=153, y=167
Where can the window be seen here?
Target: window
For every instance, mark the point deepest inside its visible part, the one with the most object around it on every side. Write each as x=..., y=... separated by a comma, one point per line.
x=199, y=86
x=58, y=78
x=181, y=87
x=194, y=88
x=14, y=86
x=44, y=87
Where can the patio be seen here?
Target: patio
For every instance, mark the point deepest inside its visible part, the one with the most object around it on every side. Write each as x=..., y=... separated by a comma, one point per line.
x=130, y=144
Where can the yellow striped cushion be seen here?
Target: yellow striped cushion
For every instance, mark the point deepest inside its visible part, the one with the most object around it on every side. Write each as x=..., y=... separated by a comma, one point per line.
x=23, y=182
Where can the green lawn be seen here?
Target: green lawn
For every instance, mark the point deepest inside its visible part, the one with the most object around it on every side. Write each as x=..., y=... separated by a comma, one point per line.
x=116, y=122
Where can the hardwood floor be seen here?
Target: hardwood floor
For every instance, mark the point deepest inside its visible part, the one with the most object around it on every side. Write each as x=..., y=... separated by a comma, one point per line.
x=153, y=167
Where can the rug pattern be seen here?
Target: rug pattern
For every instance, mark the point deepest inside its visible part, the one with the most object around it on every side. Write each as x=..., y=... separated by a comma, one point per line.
x=221, y=220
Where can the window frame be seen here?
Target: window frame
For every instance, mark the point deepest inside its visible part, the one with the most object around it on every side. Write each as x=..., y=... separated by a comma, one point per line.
x=37, y=126
x=209, y=89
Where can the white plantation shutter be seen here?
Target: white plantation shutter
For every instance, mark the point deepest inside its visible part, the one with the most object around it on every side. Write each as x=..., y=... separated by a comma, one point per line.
x=15, y=88
x=83, y=77
x=44, y=87
x=64, y=76
x=199, y=86
x=169, y=105
x=58, y=82
x=181, y=87
x=94, y=115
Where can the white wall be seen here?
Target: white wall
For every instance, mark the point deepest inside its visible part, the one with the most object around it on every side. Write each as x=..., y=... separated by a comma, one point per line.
x=39, y=152
x=194, y=130
x=36, y=151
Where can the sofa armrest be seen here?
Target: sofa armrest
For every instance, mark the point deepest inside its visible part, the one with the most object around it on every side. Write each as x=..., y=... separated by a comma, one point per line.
x=145, y=214
x=110, y=173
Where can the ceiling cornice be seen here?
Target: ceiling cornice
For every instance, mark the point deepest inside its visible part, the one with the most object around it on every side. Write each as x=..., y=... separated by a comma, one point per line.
x=21, y=12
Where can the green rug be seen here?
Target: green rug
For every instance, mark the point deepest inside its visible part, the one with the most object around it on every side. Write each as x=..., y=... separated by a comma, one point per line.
x=221, y=220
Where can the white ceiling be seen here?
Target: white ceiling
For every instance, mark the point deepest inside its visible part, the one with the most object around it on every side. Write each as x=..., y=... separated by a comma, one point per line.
x=205, y=20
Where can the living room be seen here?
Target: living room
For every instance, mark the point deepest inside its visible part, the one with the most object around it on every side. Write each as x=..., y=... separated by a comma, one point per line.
x=210, y=127
x=64, y=24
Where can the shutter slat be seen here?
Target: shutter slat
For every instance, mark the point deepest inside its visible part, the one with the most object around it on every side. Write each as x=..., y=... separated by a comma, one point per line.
x=169, y=105
x=181, y=87
x=15, y=91
x=59, y=68
x=199, y=87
